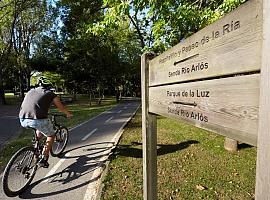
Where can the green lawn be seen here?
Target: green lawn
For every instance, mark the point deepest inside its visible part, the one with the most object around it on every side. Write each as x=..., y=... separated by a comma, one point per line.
x=12, y=99
x=81, y=111
x=192, y=164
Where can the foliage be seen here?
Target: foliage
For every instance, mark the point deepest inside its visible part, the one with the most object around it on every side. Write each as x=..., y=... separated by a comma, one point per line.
x=48, y=53
x=57, y=80
x=161, y=24
x=95, y=44
x=22, y=22
x=97, y=64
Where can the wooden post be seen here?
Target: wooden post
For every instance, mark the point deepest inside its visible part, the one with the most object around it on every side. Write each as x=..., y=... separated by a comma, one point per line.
x=263, y=145
x=230, y=144
x=149, y=135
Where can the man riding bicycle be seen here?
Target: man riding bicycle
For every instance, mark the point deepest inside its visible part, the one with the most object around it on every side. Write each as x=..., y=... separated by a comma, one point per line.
x=34, y=114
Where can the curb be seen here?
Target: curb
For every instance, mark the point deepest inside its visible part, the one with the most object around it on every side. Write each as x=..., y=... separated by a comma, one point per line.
x=102, y=172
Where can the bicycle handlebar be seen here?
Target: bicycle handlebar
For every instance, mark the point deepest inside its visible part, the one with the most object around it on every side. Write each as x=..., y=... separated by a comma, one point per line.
x=57, y=115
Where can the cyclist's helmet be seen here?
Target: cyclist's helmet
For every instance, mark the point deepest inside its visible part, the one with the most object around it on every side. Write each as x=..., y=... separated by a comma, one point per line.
x=44, y=82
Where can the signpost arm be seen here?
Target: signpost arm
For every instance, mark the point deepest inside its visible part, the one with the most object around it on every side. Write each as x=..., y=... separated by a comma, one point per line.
x=263, y=149
x=149, y=135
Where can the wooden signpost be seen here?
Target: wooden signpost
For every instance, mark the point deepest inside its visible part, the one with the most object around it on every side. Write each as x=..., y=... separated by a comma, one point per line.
x=219, y=80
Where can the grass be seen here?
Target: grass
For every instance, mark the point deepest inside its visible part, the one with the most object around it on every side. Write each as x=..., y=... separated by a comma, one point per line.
x=81, y=112
x=192, y=164
x=11, y=99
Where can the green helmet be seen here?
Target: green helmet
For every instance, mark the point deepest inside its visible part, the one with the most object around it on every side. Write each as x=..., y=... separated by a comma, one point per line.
x=43, y=81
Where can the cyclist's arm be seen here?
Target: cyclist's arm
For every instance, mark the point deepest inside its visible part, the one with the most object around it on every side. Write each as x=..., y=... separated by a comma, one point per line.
x=57, y=102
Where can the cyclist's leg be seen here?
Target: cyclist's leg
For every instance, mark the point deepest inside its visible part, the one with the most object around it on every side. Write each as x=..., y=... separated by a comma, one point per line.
x=48, y=146
x=45, y=127
x=46, y=150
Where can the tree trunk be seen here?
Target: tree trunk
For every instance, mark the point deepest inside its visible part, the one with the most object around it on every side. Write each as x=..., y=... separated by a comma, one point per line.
x=90, y=98
x=117, y=95
x=101, y=97
x=21, y=84
x=74, y=95
x=2, y=92
x=28, y=81
x=120, y=95
x=2, y=96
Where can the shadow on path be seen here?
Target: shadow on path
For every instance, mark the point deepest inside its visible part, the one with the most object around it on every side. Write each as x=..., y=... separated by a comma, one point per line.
x=91, y=161
x=84, y=164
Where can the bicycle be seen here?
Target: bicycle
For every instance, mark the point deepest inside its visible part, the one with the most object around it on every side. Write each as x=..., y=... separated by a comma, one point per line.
x=61, y=137
x=23, y=165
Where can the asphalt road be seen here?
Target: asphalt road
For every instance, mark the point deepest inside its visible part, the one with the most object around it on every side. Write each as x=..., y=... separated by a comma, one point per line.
x=77, y=174
x=9, y=123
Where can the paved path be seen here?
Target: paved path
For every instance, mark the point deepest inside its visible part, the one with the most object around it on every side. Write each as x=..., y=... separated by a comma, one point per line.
x=77, y=175
x=9, y=123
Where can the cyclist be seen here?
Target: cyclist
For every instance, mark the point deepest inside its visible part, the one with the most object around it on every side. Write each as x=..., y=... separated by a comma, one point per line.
x=34, y=114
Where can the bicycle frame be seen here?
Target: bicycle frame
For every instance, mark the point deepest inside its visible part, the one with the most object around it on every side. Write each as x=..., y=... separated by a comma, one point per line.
x=54, y=121
x=36, y=144
x=26, y=161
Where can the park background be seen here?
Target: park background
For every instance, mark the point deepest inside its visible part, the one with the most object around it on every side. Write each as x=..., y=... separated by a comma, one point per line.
x=93, y=48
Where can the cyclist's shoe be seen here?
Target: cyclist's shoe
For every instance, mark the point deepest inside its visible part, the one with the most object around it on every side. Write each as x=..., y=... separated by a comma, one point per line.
x=43, y=162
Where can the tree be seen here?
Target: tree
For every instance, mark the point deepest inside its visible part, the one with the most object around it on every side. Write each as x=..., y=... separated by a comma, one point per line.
x=99, y=46
x=48, y=53
x=30, y=20
x=5, y=44
x=22, y=21
x=161, y=24
x=100, y=63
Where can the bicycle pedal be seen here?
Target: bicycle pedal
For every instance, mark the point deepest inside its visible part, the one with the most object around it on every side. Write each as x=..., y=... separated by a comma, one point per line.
x=43, y=163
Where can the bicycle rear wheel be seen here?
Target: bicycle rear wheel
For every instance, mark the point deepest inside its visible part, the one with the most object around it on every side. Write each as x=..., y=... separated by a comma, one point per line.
x=19, y=171
x=60, y=141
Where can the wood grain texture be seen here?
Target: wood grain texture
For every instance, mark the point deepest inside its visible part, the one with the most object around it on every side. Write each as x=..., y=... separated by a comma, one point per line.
x=263, y=150
x=227, y=106
x=149, y=135
x=233, y=47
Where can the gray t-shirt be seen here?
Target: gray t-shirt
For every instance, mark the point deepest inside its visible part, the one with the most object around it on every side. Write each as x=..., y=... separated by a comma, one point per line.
x=36, y=104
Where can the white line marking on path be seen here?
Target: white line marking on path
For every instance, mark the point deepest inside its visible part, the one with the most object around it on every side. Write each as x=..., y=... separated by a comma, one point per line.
x=62, y=160
x=108, y=119
x=9, y=116
x=89, y=134
x=89, y=120
x=54, y=169
x=93, y=187
x=119, y=111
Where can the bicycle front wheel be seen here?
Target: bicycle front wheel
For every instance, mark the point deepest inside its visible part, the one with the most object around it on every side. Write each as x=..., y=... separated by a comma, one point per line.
x=60, y=141
x=19, y=171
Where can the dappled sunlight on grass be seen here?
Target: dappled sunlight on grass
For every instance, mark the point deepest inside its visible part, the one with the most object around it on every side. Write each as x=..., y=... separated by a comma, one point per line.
x=192, y=164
